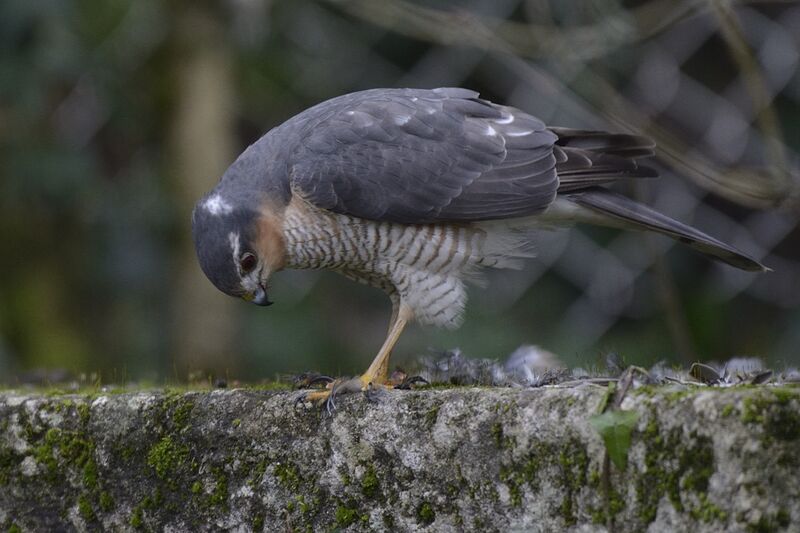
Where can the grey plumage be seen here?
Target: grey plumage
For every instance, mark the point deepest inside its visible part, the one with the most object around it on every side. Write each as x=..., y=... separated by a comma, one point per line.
x=414, y=192
x=420, y=157
x=210, y=233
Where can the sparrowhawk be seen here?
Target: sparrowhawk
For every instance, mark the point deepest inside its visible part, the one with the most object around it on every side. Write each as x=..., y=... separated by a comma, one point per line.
x=414, y=191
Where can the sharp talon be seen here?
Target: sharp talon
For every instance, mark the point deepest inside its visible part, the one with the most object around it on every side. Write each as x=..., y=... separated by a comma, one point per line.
x=371, y=395
x=320, y=396
x=330, y=406
x=301, y=399
x=409, y=382
x=320, y=380
x=310, y=379
x=374, y=391
x=330, y=401
x=326, y=398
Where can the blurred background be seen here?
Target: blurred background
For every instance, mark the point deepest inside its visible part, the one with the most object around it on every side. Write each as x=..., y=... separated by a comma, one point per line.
x=117, y=115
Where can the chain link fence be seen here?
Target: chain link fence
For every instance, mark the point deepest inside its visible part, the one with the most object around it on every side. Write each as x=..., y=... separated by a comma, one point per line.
x=708, y=81
x=96, y=190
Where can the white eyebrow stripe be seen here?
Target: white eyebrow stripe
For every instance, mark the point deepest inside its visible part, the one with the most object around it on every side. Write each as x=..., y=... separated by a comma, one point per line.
x=233, y=238
x=216, y=205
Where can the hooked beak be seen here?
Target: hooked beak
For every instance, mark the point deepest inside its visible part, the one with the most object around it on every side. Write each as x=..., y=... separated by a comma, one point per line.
x=258, y=297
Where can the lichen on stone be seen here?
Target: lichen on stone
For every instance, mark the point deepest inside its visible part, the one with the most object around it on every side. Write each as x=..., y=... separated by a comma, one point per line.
x=454, y=458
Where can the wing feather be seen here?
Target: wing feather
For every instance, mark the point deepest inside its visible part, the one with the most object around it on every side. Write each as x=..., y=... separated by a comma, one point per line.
x=420, y=156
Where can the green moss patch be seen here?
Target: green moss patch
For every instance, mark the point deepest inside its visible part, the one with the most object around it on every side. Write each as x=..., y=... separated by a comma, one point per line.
x=676, y=467
x=370, y=486
x=777, y=411
x=425, y=514
x=196, y=459
x=346, y=516
x=166, y=456
x=567, y=464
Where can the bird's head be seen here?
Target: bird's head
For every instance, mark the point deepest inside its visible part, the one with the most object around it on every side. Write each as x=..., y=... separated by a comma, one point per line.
x=238, y=247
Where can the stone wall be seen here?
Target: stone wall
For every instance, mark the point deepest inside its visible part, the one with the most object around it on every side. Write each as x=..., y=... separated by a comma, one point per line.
x=480, y=459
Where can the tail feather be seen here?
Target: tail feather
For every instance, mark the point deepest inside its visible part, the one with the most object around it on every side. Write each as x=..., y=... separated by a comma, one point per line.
x=587, y=158
x=617, y=210
x=619, y=144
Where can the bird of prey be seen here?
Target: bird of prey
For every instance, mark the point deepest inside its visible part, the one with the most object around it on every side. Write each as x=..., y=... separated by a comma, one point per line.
x=413, y=191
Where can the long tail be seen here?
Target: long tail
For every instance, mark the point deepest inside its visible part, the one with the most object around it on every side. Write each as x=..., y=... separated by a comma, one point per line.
x=611, y=209
x=587, y=160
x=591, y=158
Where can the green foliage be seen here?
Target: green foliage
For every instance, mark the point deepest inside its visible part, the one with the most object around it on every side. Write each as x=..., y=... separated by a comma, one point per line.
x=615, y=428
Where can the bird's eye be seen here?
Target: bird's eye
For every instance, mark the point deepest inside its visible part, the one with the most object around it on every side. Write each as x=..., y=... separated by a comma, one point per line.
x=248, y=262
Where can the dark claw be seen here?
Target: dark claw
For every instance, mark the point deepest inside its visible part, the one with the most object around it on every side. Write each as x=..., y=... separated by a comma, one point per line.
x=299, y=400
x=330, y=402
x=341, y=386
x=320, y=380
x=372, y=394
x=310, y=379
x=409, y=382
x=336, y=387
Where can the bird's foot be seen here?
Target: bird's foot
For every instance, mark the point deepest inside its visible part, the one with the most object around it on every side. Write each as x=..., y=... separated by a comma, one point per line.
x=327, y=397
x=371, y=387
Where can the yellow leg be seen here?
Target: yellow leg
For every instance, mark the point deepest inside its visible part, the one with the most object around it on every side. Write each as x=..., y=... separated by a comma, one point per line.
x=378, y=371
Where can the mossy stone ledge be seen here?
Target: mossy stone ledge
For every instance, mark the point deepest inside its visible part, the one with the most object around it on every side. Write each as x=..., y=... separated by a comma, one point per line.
x=444, y=459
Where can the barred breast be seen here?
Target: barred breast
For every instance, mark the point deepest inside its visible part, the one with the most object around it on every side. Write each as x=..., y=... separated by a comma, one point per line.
x=423, y=266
